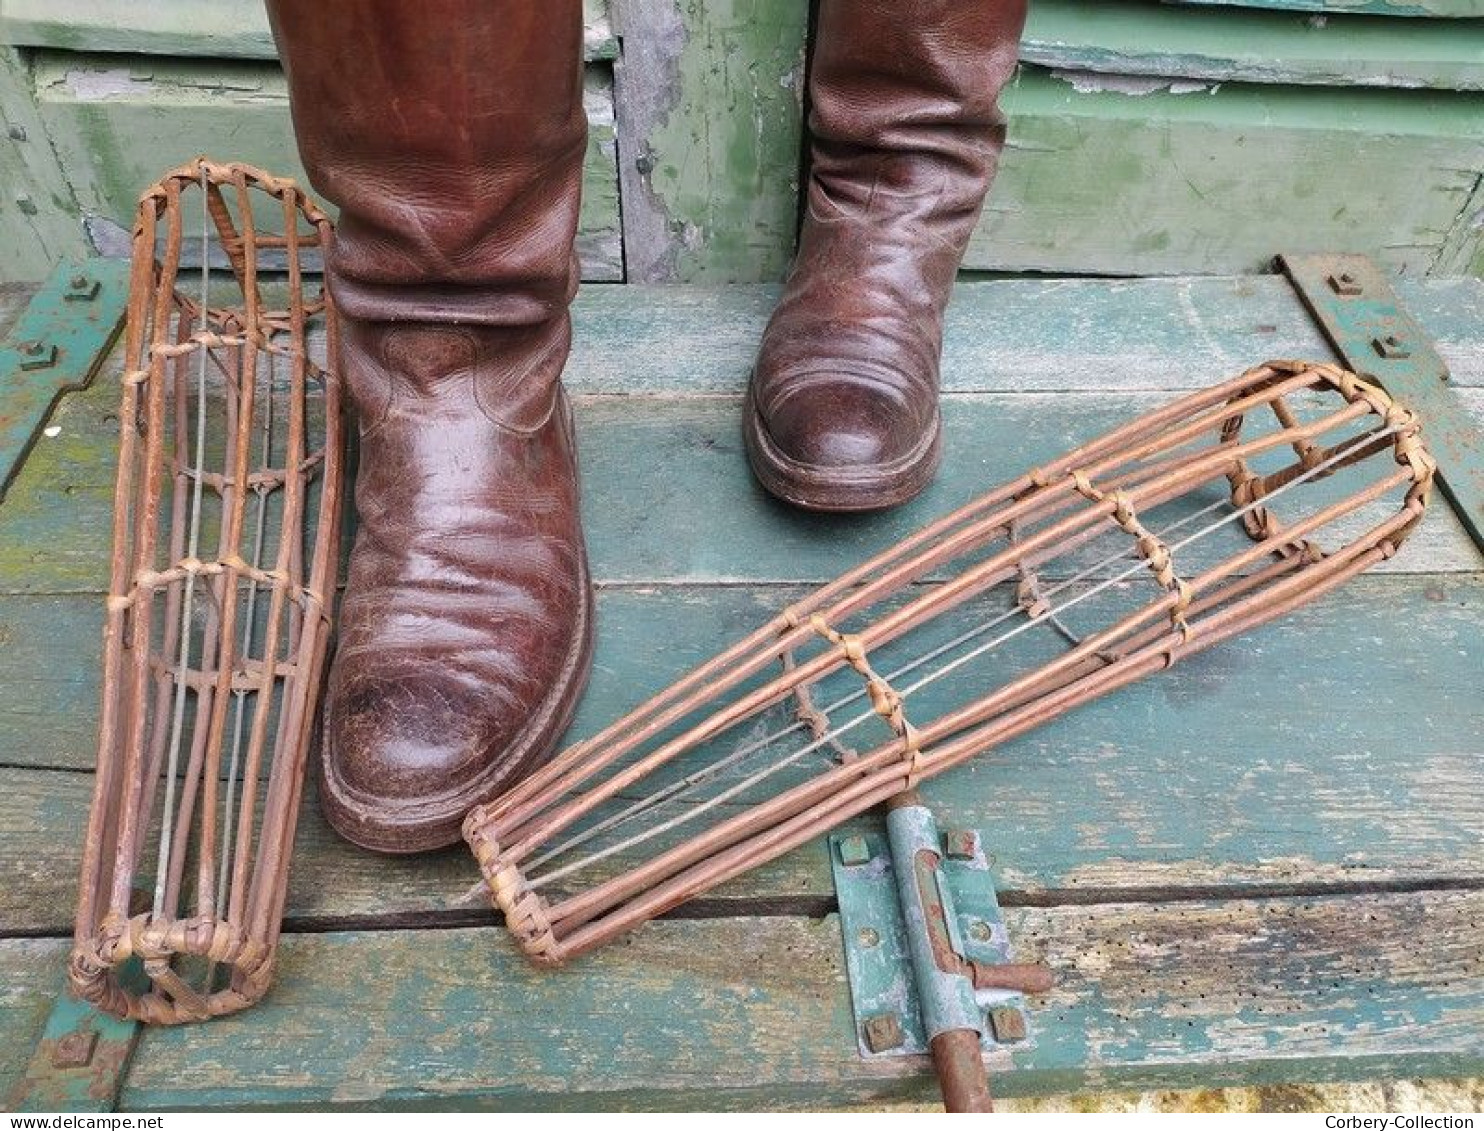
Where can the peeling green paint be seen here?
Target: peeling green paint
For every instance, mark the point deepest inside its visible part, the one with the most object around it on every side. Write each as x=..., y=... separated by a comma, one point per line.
x=117, y=123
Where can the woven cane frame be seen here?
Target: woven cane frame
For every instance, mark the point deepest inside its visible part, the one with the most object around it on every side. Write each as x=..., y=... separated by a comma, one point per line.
x=1020, y=530
x=207, y=713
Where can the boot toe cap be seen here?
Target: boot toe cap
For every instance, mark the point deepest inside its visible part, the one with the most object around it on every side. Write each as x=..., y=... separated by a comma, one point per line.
x=842, y=425
x=410, y=747
x=409, y=737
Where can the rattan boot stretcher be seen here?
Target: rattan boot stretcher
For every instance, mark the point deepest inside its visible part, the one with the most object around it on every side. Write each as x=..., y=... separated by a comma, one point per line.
x=218, y=613
x=1202, y=519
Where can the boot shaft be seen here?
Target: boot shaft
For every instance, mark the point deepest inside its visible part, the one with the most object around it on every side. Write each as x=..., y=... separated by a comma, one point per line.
x=451, y=135
x=904, y=102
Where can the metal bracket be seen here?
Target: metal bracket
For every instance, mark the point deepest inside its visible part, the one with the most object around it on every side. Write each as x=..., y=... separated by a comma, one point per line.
x=884, y=958
x=79, y=1063
x=56, y=346
x=1352, y=301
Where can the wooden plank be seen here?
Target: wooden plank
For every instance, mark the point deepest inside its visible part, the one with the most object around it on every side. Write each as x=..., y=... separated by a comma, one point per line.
x=13, y=300
x=709, y=101
x=1141, y=176
x=1145, y=37
x=117, y=122
x=1187, y=993
x=1463, y=252
x=655, y=478
x=1452, y=9
x=38, y=213
x=1060, y=339
x=219, y=29
x=1010, y=335
x=30, y=973
x=1365, y=770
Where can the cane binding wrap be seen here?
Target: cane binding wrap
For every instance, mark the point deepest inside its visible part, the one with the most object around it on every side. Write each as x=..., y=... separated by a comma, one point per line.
x=226, y=517
x=1086, y=574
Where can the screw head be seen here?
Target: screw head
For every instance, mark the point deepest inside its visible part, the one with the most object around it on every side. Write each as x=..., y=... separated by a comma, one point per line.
x=75, y=1050
x=16, y=133
x=1007, y=1024
x=37, y=354
x=883, y=1032
x=1393, y=347
x=81, y=286
x=980, y=931
x=855, y=851
x=868, y=937
x=961, y=844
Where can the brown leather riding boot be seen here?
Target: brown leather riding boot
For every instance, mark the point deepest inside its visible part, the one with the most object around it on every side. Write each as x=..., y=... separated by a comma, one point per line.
x=451, y=136
x=842, y=411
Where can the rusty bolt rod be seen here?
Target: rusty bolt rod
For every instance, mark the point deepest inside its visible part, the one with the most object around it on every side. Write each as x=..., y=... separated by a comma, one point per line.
x=957, y=1058
x=1027, y=977
x=960, y=1068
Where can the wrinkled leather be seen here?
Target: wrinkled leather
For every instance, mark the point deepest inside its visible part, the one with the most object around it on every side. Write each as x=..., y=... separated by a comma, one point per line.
x=843, y=403
x=451, y=136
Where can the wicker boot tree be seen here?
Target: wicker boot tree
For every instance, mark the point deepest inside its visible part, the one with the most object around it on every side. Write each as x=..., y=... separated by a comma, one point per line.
x=218, y=617
x=1201, y=520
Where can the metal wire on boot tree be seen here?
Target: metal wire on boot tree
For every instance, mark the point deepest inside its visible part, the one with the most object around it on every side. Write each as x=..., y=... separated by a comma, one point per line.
x=1202, y=519
x=218, y=613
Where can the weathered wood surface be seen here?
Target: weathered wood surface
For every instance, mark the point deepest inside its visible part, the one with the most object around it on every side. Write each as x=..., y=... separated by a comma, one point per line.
x=1010, y=335
x=710, y=97
x=1230, y=44
x=1233, y=884
x=221, y=29
x=38, y=220
x=32, y=972
x=13, y=299
x=1144, y=176
x=754, y=1012
x=1120, y=175
x=1364, y=771
x=644, y=521
x=117, y=122
x=1453, y=9
x=53, y=528
x=1145, y=138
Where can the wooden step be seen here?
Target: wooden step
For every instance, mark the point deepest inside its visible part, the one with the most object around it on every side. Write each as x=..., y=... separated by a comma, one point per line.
x=1263, y=865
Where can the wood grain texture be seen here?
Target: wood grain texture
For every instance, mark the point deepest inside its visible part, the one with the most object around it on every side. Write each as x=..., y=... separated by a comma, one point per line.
x=31, y=973
x=656, y=474
x=13, y=299
x=218, y=29
x=1143, y=176
x=39, y=224
x=709, y=97
x=1233, y=886
x=117, y=122
x=1367, y=771
x=1231, y=44
x=754, y=1012
x=1010, y=335
x=1452, y=9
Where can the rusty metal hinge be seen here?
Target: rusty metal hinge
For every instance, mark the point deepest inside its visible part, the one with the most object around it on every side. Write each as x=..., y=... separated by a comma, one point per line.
x=1351, y=299
x=57, y=345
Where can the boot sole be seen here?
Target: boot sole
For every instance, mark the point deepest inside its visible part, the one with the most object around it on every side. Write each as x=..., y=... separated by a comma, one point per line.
x=812, y=488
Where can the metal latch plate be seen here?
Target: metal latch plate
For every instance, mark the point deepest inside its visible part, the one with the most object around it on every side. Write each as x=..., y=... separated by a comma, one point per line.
x=1351, y=299
x=883, y=991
